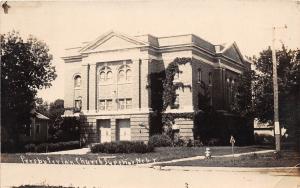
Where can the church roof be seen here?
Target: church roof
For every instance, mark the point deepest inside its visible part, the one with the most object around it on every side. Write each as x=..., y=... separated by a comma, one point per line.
x=113, y=40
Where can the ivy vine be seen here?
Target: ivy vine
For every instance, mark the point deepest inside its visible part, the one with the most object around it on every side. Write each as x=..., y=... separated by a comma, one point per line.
x=169, y=93
x=163, y=87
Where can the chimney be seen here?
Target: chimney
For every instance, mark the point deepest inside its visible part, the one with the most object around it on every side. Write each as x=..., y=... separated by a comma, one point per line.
x=218, y=48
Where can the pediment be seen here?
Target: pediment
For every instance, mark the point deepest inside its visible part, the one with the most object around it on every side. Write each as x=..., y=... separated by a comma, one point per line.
x=234, y=53
x=112, y=41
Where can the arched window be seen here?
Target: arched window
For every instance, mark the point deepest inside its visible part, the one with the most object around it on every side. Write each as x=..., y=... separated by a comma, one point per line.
x=210, y=78
x=124, y=73
x=128, y=75
x=102, y=76
x=121, y=75
x=199, y=75
x=105, y=74
x=77, y=81
x=108, y=75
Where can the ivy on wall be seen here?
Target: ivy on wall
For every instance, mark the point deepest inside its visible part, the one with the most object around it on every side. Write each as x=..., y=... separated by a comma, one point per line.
x=169, y=87
x=163, y=89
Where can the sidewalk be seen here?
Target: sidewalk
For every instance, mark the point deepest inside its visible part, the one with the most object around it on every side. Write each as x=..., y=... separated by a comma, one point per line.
x=199, y=158
x=294, y=171
x=81, y=151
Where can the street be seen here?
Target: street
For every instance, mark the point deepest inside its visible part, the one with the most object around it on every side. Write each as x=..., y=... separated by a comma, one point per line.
x=129, y=176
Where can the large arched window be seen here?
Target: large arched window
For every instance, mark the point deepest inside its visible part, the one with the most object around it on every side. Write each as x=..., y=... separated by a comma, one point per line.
x=229, y=90
x=105, y=74
x=124, y=73
x=210, y=78
x=77, y=81
x=199, y=75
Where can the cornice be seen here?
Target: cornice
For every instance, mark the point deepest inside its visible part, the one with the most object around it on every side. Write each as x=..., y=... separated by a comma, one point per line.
x=112, y=50
x=72, y=59
x=231, y=61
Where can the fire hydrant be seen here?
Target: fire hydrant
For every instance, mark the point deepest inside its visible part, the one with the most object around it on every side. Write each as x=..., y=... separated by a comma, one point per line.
x=207, y=153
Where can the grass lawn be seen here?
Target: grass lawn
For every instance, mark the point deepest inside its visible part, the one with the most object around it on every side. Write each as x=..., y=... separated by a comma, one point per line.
x=159, y=154
x=288, y=159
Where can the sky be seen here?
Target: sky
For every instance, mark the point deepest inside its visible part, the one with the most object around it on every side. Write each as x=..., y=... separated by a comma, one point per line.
x=64, y=24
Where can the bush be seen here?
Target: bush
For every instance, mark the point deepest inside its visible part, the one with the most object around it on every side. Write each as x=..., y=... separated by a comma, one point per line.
x=160, y=140
x=179, y=142
x=121, y=147
x=183, y=142
x=190, y=143
x=198, y=143
x=42, y=148
x=214, y=142
x=29, y=148
x=50, y=147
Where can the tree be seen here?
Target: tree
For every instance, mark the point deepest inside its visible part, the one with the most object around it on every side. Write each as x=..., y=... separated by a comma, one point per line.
x=55, y=113
x=68, y=129
x=60, y=129
x=25, y=67
x=243, y=95
x=42, y=106
x=56, y=109
x=288, y=70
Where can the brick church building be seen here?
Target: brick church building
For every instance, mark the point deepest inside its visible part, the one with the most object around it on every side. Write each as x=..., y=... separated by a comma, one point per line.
x=107, y=81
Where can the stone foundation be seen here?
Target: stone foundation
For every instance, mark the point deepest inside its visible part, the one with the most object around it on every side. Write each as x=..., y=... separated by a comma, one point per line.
x=139, y=127
x=185, y=128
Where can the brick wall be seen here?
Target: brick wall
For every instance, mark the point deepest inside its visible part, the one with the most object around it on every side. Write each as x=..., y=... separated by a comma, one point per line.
x=206, y=69
x=71, y=69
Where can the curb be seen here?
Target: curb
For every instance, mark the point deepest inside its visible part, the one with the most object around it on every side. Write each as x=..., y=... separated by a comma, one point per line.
x=231, y=169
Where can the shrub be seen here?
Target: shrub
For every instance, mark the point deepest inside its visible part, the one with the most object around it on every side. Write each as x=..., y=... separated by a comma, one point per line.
x=213, y=142
x=183, y=141
x=198, y=143
x=42, y=148
x=179, y=142
x=190, y=143
x=30, y=148
x=50, y=147
x=160, y=140
x=121, y=147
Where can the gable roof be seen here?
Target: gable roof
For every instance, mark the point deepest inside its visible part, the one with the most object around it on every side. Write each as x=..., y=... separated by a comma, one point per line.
x=105, y=37
x=115, y=41
x=232, y=51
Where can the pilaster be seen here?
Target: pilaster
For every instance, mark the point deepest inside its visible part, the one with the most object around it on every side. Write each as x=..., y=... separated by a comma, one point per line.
x=85, y=87
x=92, y=88
x=136, y=87
x=144, y=72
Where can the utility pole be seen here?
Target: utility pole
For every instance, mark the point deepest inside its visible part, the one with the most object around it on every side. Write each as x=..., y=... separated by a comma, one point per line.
x=275, y=90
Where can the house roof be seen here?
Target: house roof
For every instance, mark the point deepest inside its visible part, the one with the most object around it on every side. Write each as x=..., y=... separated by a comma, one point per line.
x=41, y=116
